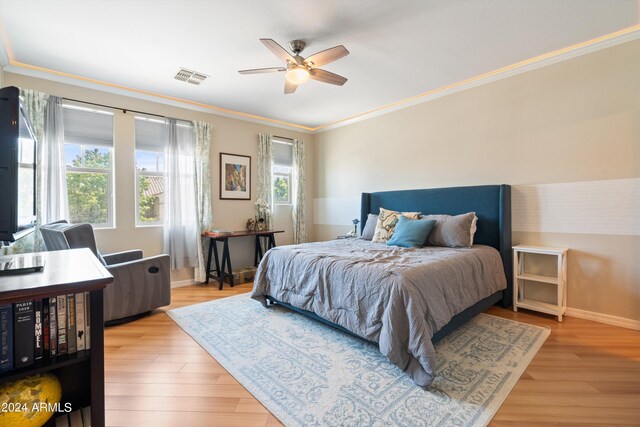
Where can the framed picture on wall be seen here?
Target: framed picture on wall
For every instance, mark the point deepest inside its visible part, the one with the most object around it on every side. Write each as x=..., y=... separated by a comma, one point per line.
x=235, y=177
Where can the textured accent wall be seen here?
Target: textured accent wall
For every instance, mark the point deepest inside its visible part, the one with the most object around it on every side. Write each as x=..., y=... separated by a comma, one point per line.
x=566, y=137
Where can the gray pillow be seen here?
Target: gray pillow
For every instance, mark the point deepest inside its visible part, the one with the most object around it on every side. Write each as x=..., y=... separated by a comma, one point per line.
x=452, y=231
x=370, y=227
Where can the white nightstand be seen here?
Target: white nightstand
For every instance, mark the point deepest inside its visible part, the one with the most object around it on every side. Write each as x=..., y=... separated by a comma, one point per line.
x=520, y=275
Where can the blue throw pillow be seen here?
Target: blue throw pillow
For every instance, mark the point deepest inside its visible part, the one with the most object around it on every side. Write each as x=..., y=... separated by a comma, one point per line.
x=411, y=233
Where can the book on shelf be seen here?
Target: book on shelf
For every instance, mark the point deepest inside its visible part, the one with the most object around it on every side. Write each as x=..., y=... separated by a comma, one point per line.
x=80, y=339
x=78, y=418
x=62, y=420
x=86, y=416
x=53, y=327
x=46, y=337
x=75, y=418
x=72, y=339
x=38, y=343
x=6, y=337
x=61, y=306
x=23, y=333
x=87, y=320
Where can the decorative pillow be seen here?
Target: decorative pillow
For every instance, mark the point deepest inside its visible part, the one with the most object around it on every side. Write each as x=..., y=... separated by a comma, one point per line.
x=453, y=231
x=387, y=221
x=411, y=233
x=370, y=227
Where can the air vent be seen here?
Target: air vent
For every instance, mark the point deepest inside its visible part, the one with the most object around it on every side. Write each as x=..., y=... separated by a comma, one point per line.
x=190, y=76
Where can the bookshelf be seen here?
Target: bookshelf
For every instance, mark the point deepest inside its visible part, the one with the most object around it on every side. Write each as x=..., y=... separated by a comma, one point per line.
x=521, y=278
x=81, y=374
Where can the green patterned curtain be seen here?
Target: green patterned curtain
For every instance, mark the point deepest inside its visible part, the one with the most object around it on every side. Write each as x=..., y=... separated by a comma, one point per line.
x=264, y=199
x=35, y=103
x=203, y=187
x=299, y=186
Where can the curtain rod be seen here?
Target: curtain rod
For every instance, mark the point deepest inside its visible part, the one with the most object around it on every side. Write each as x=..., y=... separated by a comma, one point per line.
x=124, y=110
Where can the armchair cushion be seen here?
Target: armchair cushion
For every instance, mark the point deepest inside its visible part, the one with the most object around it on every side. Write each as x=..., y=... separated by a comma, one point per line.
x=120, y=257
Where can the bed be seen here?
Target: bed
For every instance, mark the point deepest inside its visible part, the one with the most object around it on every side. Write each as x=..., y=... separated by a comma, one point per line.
x=402, y=299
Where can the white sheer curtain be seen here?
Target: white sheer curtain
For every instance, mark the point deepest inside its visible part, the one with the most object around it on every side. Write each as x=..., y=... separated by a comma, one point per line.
x=181, y=212
x=203, y=193
x=53, y=188
x=298, y=211
x=264, y=198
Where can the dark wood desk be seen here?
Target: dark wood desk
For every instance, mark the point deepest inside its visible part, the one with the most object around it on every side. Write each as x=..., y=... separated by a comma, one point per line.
x=81, y=373
x=226, y=270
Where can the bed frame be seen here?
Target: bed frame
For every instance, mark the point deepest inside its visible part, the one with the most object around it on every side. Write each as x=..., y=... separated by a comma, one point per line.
x=492, y=205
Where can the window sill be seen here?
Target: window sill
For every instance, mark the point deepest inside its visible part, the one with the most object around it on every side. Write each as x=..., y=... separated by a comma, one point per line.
x=148, y=225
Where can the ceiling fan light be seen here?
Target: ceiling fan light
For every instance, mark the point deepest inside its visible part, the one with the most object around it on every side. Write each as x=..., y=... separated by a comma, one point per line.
x=297, y=75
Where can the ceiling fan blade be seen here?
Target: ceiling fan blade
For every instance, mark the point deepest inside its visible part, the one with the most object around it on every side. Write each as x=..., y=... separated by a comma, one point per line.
x=327, y=56
x=327, y=77
x=289, y=87
x=262, y=70
x=277, y=50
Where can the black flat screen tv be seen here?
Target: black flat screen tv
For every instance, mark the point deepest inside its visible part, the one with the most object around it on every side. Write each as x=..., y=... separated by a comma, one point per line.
x=17, y=168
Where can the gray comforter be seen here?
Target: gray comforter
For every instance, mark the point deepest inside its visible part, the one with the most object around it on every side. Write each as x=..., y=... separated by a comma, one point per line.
x=397, y=297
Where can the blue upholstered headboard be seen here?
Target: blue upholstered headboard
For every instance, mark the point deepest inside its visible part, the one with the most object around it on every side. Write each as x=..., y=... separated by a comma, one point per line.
x=491, y=203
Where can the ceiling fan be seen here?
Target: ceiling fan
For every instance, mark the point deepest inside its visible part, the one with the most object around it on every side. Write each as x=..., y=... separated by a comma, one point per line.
x=298, y=69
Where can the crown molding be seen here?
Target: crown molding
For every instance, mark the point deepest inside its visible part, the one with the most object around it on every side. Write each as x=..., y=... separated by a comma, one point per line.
x=554, y=57
x=89, y=83
x=619, y=37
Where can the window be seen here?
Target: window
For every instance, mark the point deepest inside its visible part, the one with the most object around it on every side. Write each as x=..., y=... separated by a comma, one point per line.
x=149, y=171
x=88, y=150
x=281, y=172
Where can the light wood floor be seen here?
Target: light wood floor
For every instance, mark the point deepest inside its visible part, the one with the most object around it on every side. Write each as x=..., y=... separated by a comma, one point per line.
x=586, y=373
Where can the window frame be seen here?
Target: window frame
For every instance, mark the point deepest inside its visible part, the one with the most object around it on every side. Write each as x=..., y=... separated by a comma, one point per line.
x=110, y=190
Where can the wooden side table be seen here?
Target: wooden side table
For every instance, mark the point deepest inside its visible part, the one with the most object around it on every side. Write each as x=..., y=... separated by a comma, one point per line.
x=226, y=270
x=520, y=276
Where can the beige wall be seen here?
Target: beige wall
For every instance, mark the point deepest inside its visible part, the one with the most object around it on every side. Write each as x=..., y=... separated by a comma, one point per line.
x=578, y=120
x=228, y=136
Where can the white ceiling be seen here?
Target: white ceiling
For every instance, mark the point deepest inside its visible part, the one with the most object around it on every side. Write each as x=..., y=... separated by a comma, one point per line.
x=398, y=48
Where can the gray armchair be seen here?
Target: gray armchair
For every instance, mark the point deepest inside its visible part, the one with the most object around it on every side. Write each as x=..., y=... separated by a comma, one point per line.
x=139, y=284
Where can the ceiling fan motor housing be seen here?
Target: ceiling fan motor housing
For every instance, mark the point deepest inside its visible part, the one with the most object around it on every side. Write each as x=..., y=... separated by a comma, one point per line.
x=297, y=46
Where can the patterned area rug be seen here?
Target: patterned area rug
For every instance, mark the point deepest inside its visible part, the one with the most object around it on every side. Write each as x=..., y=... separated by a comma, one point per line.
x=309, y=374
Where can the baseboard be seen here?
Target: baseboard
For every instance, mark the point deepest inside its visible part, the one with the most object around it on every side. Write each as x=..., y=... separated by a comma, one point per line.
x=182, y=283
x=603, y=318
